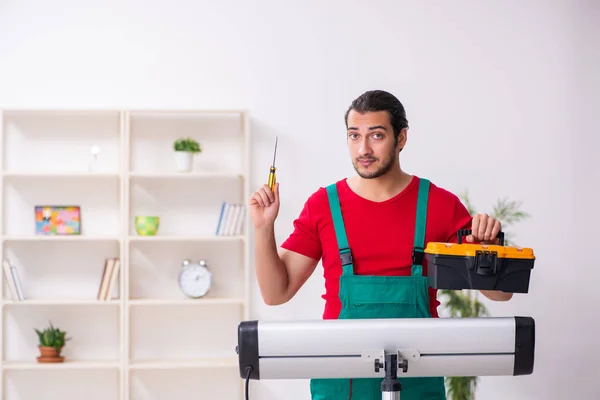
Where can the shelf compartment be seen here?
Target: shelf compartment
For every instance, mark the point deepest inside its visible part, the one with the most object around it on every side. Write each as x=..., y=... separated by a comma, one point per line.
x=168, y=384
x=62, y=382
x=57, y=272
x=208, y=363
x=183, y=333
x=99, y=200
x=61, y=141
x=154, y=268
x=97, y=339
x=152, y=136
x=184, y=209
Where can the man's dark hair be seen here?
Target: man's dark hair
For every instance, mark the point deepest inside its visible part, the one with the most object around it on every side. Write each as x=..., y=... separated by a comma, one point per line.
x=379, y=100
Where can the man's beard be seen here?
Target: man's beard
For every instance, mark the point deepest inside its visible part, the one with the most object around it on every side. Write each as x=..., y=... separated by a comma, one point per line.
x=386, y=166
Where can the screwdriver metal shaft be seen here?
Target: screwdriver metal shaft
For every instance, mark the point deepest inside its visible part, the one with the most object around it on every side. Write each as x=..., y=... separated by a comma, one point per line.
x=272, y=176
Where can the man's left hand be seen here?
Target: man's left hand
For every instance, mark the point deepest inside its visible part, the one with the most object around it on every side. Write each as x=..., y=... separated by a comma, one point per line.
x=484, y=229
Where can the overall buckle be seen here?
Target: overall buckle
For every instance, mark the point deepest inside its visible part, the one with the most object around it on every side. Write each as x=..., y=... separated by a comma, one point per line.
x=345, y=256
x=417, y=255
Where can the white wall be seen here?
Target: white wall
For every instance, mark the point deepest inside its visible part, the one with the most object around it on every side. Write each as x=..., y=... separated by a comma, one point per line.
x=501, y=97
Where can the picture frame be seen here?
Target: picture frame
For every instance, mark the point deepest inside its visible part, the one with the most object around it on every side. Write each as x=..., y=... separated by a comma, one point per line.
x=61, y=220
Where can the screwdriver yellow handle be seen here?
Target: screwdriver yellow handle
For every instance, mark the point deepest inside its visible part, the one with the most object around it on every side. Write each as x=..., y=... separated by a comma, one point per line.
x=271, y=182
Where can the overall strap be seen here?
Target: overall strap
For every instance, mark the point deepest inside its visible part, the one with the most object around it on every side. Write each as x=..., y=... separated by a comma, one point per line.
x=340, y=230
x=420, y=224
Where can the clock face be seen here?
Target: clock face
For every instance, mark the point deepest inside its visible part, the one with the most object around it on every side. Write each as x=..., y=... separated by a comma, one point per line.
x=195, y=281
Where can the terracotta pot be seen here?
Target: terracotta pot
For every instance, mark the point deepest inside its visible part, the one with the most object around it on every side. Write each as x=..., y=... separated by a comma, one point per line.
x=50, y=355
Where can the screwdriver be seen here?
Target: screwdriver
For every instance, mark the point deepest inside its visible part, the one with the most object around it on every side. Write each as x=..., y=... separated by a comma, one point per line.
x=271, y=181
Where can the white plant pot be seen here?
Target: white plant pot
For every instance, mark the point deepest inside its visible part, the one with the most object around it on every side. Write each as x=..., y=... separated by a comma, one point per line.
x=184, y=161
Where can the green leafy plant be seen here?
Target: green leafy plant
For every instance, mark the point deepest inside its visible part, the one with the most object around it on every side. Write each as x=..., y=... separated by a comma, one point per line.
x=187, y=144
x=52, y=337
x=465, y=303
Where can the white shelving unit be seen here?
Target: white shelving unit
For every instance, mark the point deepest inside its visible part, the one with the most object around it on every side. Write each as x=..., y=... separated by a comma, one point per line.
x=148, y=341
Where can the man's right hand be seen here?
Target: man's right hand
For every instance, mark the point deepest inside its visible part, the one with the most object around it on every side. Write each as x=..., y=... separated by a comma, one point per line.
x=279, y=276
x=264, y=206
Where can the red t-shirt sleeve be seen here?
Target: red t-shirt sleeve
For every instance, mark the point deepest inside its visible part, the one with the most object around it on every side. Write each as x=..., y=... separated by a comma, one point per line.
x=304, y=239
x=461, y=219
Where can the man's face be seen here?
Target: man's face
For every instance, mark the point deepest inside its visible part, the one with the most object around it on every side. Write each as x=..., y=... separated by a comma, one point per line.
x=371, y=142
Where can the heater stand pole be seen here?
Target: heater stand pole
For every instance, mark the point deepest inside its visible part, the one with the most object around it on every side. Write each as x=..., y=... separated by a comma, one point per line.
x=390, y=386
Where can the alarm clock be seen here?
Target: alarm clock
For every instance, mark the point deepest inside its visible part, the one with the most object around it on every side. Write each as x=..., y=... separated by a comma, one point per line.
x=195, y=278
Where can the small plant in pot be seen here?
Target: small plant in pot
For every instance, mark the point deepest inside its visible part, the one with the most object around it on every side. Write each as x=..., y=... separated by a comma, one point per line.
x=185, y=150
x=51, y=342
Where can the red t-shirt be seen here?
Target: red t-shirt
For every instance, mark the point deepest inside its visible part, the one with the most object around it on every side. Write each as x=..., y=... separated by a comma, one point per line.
x=380, y=234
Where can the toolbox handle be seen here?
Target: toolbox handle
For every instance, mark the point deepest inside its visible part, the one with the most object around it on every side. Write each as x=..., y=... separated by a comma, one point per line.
x=465, y=232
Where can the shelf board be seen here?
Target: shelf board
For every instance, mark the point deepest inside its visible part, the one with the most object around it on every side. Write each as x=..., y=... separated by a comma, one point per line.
x=184, y=302
x=59, y=238
x=67, y=364
x=59, y=112
x=225, y=362
x=60, y=175
x=148, y=112
x=185, y=175
x=58, y=302
x=204, y=238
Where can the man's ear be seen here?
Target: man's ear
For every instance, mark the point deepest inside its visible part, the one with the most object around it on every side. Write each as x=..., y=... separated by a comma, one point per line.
x=402, y=137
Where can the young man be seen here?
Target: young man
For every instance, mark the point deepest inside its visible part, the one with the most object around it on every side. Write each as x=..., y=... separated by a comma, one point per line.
x=369, y=231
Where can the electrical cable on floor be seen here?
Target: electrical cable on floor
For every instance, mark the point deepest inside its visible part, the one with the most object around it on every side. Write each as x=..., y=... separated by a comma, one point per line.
x=248, y=372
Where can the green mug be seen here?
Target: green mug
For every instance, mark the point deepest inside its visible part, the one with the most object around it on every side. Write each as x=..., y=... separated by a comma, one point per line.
x=147, y=225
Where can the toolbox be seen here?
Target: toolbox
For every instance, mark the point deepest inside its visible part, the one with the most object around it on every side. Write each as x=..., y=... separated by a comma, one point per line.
x=458, y=266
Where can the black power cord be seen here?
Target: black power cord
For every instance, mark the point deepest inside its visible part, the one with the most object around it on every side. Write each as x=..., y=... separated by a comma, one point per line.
x=248, y=372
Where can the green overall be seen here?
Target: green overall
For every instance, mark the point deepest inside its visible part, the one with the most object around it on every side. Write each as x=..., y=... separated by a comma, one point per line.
x=366, y=296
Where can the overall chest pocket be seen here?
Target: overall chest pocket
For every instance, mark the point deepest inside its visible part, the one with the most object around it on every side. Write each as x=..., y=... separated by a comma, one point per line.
x=382, y=296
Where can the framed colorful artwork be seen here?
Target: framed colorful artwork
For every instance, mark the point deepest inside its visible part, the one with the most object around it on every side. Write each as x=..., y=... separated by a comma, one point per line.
x=57, y=220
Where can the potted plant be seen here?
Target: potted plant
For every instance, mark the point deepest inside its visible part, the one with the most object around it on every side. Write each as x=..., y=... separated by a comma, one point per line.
x=51, y=343
x=185, y=149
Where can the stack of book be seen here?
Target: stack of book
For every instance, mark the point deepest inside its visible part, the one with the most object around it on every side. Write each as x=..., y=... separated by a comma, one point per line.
x=109, y=278
x=231, y=219
x=13, y=281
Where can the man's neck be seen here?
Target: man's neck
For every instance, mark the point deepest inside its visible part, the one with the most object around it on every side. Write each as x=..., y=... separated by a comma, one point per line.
x=382, y=188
